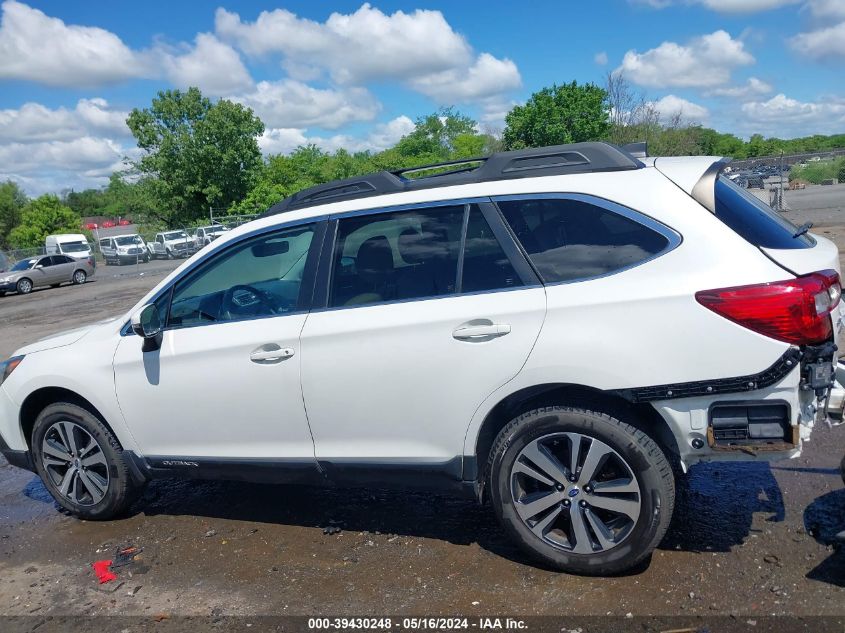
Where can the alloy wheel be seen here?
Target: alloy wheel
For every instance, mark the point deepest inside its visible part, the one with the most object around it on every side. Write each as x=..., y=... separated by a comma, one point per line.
x=24, y=286
x=79, y=277
x=575, y=493
x=75, y=463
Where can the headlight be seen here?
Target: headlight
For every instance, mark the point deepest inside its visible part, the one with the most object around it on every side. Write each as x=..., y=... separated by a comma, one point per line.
x=8, y=366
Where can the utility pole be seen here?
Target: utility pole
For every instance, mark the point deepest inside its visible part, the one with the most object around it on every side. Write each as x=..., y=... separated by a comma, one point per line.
x=780, y=195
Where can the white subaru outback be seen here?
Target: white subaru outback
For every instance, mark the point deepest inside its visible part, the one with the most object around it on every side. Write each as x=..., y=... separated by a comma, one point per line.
x=560, y=331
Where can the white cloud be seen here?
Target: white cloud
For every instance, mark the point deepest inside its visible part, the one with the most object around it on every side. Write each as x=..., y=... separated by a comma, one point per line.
x=419, y=49
x=724, y=6
x=33, y=122
x=824, y=43
x=600, y=58
x=77, y=155
x=752, y=88
x=785, y=117
x=745, y=6
x=212, y=65
x=364, y=45
x=37, y=47
x=488, y=76
x=671, y=105
x=705, y=61
x=827, y=8
x=292, y=104
x=381, y=136
x=44, y=49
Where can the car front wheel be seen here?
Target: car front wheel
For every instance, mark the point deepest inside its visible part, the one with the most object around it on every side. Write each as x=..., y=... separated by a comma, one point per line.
x=81, y=463
x=581, y=491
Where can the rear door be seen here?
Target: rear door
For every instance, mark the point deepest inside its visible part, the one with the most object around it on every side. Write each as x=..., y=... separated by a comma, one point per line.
x=428, y=310
x=65, y=267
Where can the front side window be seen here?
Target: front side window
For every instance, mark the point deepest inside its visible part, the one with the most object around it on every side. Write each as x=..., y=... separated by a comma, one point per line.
x=258, y=277
x=568, y=239
x=393, y=256
x=45, y=261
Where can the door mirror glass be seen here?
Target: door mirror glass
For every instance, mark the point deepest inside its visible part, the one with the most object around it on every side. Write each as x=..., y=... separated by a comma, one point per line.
x=146, y=322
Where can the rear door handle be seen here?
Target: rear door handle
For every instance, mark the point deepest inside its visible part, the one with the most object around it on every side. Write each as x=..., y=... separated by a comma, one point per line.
x=270, y=353
x=477, y=332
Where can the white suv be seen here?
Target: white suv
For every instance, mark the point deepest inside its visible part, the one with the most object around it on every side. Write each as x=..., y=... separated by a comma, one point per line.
x=561, y=331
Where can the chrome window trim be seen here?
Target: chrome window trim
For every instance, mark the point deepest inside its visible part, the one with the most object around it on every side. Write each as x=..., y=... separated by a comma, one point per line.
x=674, y=239
x=452, y=202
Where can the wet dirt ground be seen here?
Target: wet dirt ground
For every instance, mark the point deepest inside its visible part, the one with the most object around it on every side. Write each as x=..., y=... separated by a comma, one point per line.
x=748, y=539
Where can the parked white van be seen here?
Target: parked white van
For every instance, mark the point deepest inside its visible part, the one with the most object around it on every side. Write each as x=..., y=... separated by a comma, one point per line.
x=71, y=244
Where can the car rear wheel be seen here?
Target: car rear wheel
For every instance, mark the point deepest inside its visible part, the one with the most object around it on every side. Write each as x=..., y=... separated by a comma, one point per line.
x=581, y=491
x=79, y=277
x=81, y=463
x=24, y=286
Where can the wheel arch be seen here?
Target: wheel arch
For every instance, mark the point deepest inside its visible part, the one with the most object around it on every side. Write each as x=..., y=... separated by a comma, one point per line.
x=41, y=398
x=642, y=415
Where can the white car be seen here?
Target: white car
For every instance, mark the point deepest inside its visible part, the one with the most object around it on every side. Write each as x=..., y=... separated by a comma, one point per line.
x=124, y=249
x=172, y=244
x=204, y=235
x=560, y=331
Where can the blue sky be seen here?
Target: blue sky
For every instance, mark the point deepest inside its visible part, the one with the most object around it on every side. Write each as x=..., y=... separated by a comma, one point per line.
x=357, y=75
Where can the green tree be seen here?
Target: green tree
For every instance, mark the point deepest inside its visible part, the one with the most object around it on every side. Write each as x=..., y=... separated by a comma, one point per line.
x=12, y=201
x=569, y=113
x=41, y=217
x=198, y=153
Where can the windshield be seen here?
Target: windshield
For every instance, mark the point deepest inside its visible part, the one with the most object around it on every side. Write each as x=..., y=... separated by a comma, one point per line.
x=176, y=235
x=127, y=240
x=74, y=247
x=24, y=264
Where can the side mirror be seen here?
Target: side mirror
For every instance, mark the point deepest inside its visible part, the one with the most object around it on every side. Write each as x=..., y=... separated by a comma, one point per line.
x=147, y=324
x=39, y=265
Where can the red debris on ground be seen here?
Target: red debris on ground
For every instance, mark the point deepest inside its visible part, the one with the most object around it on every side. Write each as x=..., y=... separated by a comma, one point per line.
x=104, y=574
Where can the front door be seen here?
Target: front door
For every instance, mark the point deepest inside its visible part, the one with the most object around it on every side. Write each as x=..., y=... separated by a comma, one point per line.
x=427, y=315
x=225, y=383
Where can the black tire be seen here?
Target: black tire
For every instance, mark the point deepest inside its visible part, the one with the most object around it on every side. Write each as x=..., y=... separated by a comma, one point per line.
x=169, y=254
x=120, y=493
x=79, y=277
x=647, y=463
x=24, y=286
x=147, y=258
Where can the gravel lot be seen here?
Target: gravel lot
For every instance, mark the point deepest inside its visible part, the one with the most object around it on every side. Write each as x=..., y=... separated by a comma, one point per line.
x=749, y=540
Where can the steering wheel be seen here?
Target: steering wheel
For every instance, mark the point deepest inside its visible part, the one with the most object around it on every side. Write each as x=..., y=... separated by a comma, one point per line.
x=243, y=300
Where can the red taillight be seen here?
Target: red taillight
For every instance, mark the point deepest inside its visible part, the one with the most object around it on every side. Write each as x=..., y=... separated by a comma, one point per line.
x=796, y=310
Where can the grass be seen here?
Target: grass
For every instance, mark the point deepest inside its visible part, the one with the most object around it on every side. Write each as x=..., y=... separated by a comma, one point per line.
x=818, y=171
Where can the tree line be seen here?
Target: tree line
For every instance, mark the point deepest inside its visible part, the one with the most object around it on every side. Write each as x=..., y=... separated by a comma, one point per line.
x=200, y=154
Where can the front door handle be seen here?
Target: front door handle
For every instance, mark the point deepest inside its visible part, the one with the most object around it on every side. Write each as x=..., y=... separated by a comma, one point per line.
x=270, y=353
x=481, y=332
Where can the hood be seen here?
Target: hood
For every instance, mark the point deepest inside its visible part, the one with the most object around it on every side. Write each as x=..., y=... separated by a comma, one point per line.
x=62, y=338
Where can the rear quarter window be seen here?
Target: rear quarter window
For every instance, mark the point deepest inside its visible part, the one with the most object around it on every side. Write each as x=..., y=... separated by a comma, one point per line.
x=754, y=220
x=571, y=239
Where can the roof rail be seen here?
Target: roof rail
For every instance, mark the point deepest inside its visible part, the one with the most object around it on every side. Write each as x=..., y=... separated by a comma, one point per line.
x=556, y=160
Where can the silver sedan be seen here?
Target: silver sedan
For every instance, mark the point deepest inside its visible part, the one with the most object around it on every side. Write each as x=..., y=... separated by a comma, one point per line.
x=47, y=270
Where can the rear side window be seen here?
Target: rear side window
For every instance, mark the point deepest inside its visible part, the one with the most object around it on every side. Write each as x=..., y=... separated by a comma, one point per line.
x=486, y=266
x=754, y=220
x=570, y=239
x=394, y=256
